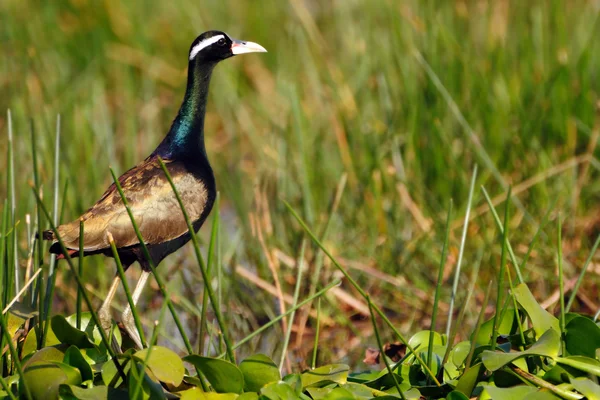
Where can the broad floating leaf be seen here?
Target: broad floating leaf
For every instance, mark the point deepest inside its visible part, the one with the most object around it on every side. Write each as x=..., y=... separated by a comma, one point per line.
x=223, y=376
x=74, y=358
x=582, y=337
x=53, y=353
x=454, y=395
x=541, y=319
x=71, y=392
x=336, y=373
x=279, y=391
x=421, y=339
x=258, y=370
x=164, y=364
x=504, y=328
x=68, y=334
x=512, y=393
x=43, y=378
x=139, y=379
x=548, y=345
x=89, y=327
x=31, y=340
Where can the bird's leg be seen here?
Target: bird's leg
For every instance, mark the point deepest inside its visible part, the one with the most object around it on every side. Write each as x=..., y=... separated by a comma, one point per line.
x=127, y=317
x=104, y=310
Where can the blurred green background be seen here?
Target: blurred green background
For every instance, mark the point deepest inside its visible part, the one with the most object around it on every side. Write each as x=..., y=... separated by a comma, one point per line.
x=395, y=101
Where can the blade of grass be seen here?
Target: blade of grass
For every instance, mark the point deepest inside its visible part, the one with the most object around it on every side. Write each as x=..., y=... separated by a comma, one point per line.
x=561, y=284
x=361, y=291
x=80, y=283
x=202, y=265
x=157, y=277
x=5, y=267
x=80, y=266
x=500, y=289
x=463, y=241
x=438, y=288
x=38, y=259
x=12, y=197
x=286, y=340
x=464, y=308
x=486, y=299
x=51, y=282
x=121, y=271
x=513, y=258
x=209, y=261
x=582, y=274
x=381, y=350
x=316, y=342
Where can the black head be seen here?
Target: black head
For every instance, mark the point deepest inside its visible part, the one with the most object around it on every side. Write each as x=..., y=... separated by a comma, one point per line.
x=214, y=46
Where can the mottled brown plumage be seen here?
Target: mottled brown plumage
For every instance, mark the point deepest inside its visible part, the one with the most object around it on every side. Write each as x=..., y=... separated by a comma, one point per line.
x=154, y=207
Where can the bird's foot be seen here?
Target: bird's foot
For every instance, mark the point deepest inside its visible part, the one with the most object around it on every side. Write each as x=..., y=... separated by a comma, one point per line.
x=131, y=329
x=106, y=324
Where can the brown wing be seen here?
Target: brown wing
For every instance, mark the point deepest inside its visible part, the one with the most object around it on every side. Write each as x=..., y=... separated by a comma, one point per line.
x=153, y=203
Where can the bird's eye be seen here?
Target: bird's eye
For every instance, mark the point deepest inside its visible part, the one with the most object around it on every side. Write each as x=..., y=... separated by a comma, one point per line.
x=221, y=42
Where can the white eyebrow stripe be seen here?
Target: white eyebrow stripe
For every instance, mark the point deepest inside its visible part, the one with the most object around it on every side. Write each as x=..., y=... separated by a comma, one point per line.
x=205, y=43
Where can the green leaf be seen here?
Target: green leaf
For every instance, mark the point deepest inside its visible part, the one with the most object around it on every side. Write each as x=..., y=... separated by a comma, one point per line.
x=512, y=393
x=223, y=376
x=454, y=395
x=258, y=370
x=295, y=381
x=460, y=352
x=548, y=345
x=53, y=353
x=421, y=340
x=582, y=337
x=336, y=373
x=248, y=396
x=557, y=374
x=74, y=358
x=581, y=363
x=148, y=388
x=31, y=340
x=198, y=394
x=68, y=334
x=362, y=391
x=109, y=371
x=164, y=364
x=93, y=332
x=504, y=328
x=279, y=391
x=586, y=387
x=317, y=393
x=541, y=319
x=70, y=392
x=44, y=377
x=341, y=393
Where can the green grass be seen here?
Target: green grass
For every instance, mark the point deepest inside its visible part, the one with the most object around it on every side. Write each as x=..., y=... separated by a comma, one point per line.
x=402, y=99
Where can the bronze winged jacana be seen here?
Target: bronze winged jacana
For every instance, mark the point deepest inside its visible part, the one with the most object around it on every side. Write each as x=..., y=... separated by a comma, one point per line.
x=147, y=190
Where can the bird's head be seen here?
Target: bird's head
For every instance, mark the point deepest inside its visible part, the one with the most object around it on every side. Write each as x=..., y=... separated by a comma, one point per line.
x=214, y=46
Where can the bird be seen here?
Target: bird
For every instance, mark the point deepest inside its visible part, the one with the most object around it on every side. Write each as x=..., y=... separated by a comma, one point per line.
x=148, y=192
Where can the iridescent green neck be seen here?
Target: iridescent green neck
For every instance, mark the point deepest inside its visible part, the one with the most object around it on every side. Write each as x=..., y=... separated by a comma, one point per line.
x=186, y=136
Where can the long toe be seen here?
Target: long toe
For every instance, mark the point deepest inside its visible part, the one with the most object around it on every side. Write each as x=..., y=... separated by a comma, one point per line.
x=131, y=329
